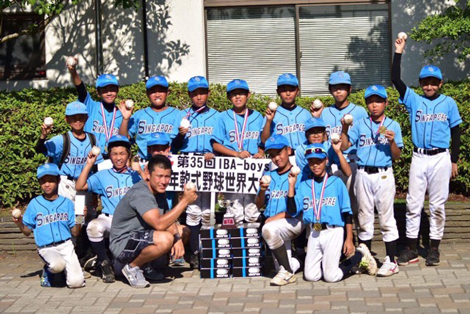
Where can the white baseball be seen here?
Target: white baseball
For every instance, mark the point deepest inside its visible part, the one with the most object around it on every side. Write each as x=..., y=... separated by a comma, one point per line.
x=272, y=106
x=295, y=170
x=16, y=213
x=335, y=137
x=185, y=123
x=129, y=104
x=348, y=119
x=95, y=150
x=402, y=35
x=48, y=121
x=71, y=61
x=190, y=186
x=266, y=179
x=317, y=104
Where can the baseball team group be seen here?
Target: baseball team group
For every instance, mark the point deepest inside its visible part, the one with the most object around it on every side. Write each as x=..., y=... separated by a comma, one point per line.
x=331, y=168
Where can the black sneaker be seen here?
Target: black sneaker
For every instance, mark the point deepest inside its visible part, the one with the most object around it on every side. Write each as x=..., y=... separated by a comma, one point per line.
x=407, y=256
x=433, y=258
x=90, y=263
x=194, y=261
x=151, y=274
x=107, y=273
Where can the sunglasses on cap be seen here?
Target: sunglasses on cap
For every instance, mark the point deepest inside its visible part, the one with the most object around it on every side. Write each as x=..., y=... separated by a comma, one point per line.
x=316, y=150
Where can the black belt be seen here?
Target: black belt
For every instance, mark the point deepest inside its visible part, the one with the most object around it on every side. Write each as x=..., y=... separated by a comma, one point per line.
x=429, y=152
x=71, y=178
x=53, y=244
x=325, y=226
x=372, y=170
x=106, y=214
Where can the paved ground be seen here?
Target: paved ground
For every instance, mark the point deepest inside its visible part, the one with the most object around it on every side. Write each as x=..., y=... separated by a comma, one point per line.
x=416, y=289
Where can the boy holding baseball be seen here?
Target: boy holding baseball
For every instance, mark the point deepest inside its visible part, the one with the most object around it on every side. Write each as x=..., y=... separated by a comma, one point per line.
x=378, y=141
x=51, y=218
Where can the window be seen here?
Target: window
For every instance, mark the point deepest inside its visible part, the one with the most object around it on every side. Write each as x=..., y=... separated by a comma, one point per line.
x=24, y=56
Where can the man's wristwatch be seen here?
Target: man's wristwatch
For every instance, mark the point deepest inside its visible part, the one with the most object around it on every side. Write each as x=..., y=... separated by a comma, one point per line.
x=177, y=237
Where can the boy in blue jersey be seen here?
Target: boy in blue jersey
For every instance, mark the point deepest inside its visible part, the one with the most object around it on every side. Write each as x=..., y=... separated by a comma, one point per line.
x=288, y=119
x=157, y=118
x=104, y=118
x=237, y=134
x=196, y=139
x=324, y=204
x=51, y=218
x=435, y=119
x=378, y=141
x=111, y=185
x=280, y=228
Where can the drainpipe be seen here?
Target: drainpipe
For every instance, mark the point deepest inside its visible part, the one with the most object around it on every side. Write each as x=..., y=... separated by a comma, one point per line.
x=144, y=33
x=99, y=44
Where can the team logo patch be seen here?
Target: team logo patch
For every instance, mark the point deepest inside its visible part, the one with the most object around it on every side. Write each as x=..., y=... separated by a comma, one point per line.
x=374, y=87
x=431, y=69
x=197, y=79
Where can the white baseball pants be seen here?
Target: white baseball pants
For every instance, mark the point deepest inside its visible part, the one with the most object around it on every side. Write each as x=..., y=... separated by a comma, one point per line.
x=431, y=174
x=79, y=198
x=99, y=228
x=376, y=190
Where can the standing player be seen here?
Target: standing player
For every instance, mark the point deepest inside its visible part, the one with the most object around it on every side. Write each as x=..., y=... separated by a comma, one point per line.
x=196, y=139
x=280, y=228
x=434, y=120
x=378, y=141
x=237, y=134
x=158, y=118
x=289, y=119
x=111, y=185
x=324, y=204
x=51, y=218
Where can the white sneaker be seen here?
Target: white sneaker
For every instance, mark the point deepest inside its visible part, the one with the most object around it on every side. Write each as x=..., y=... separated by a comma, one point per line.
x=135, y=277
x=368, y=261
x=283, y=278
x=388, y=268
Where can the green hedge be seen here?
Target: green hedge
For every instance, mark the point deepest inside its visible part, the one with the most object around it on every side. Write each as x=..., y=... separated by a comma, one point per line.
x=22, y=114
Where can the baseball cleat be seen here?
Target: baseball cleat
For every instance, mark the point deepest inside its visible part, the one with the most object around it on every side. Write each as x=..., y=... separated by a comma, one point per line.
x=283, y=278
x=388, y=268
x=433, y=257
x=46, y=278
x=368, y=262
x=194, y=261
x=408, y=257
x=90, y=263
x=107, y=273
x=135, y=277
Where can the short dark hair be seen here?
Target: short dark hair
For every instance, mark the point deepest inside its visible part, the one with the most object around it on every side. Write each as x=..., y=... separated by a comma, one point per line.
x=159, y=161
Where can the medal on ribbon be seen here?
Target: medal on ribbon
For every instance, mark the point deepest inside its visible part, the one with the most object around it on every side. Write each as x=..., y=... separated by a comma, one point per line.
x=382, y=129
x=108, y=132
x=317, y=210
x=239, y=137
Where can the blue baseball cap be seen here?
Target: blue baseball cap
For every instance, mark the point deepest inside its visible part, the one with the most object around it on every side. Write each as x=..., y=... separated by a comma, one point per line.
x=314, y=123
x=430, y=71
x=276, y=141
x=316, y=150
x=74, y=108
x=287, y=79
x=197, y=82
x=105, y=80
x=339, y=77
x=159, y=139
x=237, y=84
x=118, y=140
x=378, y=90
x=47, y=169
x=156, y=80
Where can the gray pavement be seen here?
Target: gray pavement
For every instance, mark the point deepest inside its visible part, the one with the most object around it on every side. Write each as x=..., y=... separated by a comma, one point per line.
x=416, y=289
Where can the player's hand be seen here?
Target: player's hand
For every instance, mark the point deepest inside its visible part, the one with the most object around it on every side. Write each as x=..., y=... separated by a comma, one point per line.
x=208, y=156
x=45, y=130
x=400, y=45
x=270, y=114
x=91, y=159
x=263, y=186
x=390, y=135
x=126, y=113
x=72, y=68
x=316, y=113
x=135, y=164
x=182, y=131
x=243, y=154
x=337, y=146
x=348, y=248
x=292, y=178
x=455, y=170
x=259, y=155
x=177, y=251
x=189, y=195
x=18, y=221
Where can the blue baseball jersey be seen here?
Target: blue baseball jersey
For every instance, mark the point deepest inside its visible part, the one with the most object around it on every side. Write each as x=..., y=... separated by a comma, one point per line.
x=290, y=124
x=95, y=123
x=332, y=117
x=203, y=124
x=50, y=221
x=225, y=134
x=76, y=160
x=335, y=201
x=302, y=162
x=431, y=120
x=146, y=121
x=373, y=148
x=112, y=186
x=276, y=194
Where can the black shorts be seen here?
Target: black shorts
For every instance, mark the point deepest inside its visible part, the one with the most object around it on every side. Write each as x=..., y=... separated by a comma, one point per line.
x=138, y=241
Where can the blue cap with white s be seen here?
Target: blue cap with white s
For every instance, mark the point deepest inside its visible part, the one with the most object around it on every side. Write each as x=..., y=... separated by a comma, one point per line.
x=339, y=77
x=118, y=140
x=197, y=82
x=105, y=80
x=159, y=139
x=430, y=71
x=287, y=79
x=237, y=84
x=74, y=108
x=47, y=169
x=314, y=123
x=316, y=150
x=156, y=80
x=276, y=141
x=378, y=90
